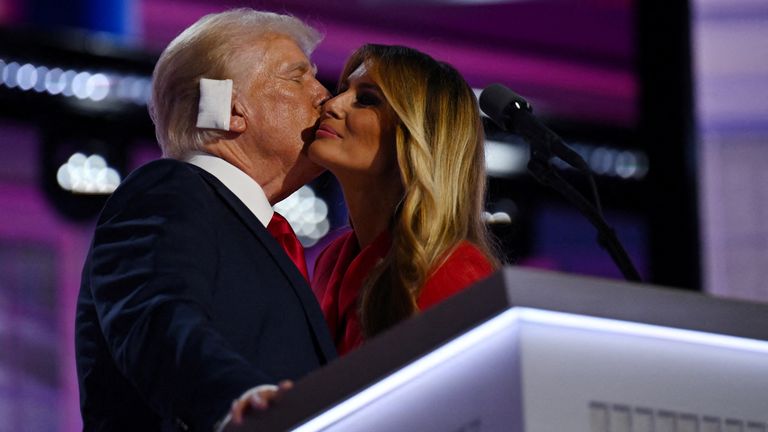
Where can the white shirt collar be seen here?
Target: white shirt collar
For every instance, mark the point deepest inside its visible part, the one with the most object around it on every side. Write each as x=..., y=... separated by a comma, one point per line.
x=243, y=186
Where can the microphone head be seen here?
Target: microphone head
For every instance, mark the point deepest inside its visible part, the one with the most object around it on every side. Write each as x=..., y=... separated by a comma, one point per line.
x=501, y=104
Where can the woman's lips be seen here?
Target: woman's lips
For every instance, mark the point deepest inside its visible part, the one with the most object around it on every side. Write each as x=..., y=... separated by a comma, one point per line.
x=326, y=132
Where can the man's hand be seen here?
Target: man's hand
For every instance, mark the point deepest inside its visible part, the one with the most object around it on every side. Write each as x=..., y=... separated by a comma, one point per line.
x=258, y=398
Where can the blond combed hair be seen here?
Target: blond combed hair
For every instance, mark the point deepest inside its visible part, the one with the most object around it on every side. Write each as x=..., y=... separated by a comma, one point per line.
x=440, y=150
x=210, y=48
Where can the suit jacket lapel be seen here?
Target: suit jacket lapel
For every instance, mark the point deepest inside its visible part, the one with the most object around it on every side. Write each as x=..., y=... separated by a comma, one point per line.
x=298, y=283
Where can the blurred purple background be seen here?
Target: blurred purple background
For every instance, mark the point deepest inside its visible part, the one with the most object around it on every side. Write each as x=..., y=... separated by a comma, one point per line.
x=577, y=61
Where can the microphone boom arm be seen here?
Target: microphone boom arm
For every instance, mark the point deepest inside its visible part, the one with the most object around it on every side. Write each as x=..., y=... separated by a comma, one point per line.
x=543, y=172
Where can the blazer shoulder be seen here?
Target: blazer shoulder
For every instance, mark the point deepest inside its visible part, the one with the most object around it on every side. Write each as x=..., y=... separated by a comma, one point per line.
x=163, y=183
x=151, y=173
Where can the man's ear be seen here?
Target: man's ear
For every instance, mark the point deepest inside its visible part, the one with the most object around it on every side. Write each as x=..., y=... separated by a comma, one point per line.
x=237, y=121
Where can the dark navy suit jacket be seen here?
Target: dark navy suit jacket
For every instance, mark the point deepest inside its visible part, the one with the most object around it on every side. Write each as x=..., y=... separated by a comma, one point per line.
x=186, y=302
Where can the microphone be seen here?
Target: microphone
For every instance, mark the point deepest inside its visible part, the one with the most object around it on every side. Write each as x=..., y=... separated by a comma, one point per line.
x=513, y=113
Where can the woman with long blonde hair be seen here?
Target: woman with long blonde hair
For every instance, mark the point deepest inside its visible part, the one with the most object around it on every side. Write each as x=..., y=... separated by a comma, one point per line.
x=405, y=141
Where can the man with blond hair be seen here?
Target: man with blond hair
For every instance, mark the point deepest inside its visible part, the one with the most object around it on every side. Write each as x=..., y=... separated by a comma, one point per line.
x=194, y=293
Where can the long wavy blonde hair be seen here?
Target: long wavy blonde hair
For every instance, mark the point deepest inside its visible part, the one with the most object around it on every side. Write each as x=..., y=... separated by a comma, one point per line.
x=439, y=139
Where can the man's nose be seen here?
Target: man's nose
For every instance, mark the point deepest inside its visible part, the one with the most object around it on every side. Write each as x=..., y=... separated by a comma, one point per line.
x=322, y=94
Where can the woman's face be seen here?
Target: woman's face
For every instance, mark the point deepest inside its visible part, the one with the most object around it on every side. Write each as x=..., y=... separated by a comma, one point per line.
x=356, y=132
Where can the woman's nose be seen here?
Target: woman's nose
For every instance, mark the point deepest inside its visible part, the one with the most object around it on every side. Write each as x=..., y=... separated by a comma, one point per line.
x=332, y=106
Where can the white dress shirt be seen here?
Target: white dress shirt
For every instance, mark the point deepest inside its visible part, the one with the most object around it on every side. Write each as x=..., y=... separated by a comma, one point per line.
x=244, y=187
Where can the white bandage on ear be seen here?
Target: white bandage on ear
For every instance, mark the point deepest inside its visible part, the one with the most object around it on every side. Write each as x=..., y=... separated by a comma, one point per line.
x=215, y=106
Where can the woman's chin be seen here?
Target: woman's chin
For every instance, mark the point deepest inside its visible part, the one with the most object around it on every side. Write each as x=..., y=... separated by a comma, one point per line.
x=315, y=156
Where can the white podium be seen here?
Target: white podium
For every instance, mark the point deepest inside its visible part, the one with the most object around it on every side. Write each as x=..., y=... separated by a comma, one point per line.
x=534, y=351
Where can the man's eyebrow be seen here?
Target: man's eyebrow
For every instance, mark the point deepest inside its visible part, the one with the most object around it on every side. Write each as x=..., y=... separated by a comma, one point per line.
x=302, y=66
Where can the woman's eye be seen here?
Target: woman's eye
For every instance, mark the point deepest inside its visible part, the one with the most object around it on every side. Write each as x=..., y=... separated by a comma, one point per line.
x=367, y=99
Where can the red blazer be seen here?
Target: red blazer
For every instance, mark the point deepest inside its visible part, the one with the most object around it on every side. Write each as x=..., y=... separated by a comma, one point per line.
x=342, y=268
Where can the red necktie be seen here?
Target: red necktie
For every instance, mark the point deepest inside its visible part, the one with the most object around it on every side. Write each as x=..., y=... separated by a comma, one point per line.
x=282, y=232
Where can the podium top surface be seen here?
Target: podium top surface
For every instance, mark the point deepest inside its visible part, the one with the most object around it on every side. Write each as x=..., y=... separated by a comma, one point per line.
x=634, y=302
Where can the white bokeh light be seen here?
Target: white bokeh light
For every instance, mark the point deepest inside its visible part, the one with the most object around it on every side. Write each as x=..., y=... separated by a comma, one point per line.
x=68, y=77
x=626, y=164
x=55, y=81
x=146, y=92
x=10, y=74
x=504, y=159
x=80, y=85
x=42, y=74
x=26, y=77
x=307, y=214
x=601, y=160
x=123, y=87
x=97, y=87
x=87, y=175
x=497, y=218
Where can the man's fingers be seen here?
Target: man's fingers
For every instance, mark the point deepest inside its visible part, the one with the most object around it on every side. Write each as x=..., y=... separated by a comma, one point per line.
x=285, y=385
x=260, y=400
x=241, y=405
x=257, y=398
x=236, y=412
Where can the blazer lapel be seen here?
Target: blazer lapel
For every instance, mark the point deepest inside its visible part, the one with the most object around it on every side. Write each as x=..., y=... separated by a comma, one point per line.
x=299, y=285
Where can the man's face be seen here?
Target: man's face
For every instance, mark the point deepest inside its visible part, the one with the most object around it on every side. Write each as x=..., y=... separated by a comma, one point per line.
x=283, y=106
